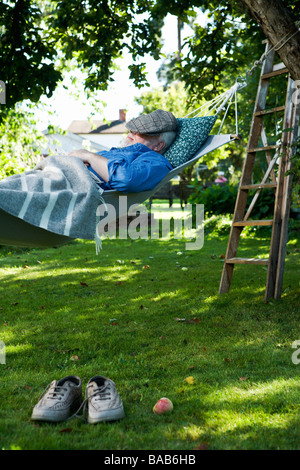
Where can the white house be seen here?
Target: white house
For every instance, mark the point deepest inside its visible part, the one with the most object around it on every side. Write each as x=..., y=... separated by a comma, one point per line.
x=109, y=134
x=62, y=144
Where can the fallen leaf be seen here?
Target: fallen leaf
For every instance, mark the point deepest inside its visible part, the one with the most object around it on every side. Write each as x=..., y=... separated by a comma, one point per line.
x=75, y=358
x=202, y=446
x=243, y=378
x=146, y=266
x=84, y=284
x=194, y=320
x=27, y=388
x=190, y=380
x=118, y=283
x=66, y=430
x=226, y=359
x=192, y=367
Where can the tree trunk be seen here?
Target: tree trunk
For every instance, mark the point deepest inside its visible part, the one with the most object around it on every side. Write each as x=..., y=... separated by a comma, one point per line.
x=277, y=22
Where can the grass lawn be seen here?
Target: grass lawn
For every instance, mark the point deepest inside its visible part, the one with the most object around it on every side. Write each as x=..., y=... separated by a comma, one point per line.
x=133, y=314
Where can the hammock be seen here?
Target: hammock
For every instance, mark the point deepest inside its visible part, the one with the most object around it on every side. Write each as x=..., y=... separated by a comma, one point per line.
x=15, y=231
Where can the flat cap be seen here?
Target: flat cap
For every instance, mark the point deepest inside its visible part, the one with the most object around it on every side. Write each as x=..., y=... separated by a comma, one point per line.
x=153, y=123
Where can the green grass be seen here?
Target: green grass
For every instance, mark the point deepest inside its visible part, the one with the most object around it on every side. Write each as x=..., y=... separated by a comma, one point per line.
x=133, y=314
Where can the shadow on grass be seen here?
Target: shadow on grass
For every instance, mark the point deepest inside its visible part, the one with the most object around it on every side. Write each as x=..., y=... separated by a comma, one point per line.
x=134, y=314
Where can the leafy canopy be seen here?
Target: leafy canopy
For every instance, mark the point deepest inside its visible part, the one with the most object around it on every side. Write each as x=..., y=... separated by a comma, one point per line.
x=39, y=39
x=42, y=38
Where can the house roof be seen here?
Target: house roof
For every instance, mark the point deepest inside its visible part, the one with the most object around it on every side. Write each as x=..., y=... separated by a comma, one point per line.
x=97, y=127
x=65, y=143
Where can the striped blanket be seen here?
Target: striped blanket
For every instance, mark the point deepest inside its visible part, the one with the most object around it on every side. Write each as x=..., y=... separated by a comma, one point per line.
x=60, y=195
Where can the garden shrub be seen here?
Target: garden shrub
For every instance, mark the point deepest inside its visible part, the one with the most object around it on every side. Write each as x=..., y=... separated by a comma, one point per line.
x=20, y=142
x=220, y=199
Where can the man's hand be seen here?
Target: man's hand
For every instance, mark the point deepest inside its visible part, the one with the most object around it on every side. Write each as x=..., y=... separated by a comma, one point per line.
x=83, y=154
x=97, y=162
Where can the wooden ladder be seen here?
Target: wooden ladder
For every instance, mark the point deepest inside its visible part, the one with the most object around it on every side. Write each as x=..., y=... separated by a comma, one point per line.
x=281, y=185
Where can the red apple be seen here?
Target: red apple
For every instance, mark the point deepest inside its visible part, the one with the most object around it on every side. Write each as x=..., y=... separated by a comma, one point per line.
x=164, y=405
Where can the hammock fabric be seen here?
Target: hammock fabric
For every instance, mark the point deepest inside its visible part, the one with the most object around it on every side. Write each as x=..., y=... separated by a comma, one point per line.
x=16, y=232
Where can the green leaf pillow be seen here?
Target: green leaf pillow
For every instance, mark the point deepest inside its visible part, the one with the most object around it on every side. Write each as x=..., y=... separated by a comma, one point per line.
x=191, y=134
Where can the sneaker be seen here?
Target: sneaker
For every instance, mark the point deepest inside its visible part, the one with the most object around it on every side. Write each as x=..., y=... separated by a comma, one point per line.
x=59, y=400
x=104, y=402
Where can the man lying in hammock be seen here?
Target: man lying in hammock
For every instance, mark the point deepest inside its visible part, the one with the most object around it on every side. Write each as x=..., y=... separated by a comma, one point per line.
x=139, y=164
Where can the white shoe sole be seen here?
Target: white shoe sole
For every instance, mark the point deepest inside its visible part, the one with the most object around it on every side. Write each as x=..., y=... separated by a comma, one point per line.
x=107, y=415
x=51, y=418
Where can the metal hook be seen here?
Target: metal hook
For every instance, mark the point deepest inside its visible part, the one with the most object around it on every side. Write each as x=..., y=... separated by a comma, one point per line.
x=243, y=84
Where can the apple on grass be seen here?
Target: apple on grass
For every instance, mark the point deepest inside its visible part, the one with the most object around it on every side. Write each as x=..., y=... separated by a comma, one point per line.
x=164, y=405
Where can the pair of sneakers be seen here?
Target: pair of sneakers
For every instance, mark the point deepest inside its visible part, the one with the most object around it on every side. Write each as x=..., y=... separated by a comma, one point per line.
x=62, y=400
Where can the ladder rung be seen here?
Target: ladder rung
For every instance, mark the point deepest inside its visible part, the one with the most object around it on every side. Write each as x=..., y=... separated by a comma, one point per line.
x=260, y=149
x=243, y=223
x=274, y=73
x=274, y=264
x=259, y=261
x=259, y=186
x=262, y=112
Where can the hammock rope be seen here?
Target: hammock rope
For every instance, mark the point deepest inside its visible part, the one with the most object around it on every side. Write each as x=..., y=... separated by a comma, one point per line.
x=276, y=48
x=218, y=103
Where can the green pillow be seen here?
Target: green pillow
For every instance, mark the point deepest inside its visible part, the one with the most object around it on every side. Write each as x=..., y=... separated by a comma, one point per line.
x=191, y=134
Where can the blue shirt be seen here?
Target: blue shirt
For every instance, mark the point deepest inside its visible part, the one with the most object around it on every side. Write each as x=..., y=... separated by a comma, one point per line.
x=134, y=168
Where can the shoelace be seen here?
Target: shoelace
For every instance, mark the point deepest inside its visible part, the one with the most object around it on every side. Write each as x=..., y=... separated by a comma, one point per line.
x=58, y=390
x=101, y=393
